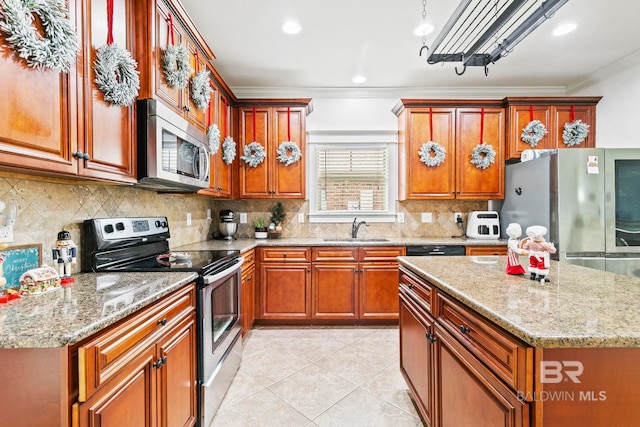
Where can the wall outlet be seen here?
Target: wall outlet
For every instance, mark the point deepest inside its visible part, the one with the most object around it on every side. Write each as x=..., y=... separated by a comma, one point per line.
x=208, y=213
x=300, y=217
x=188, y=218
x=427, y=217
x=457, y=217
x=243, y=218
x=6, y=234
x=401, y=217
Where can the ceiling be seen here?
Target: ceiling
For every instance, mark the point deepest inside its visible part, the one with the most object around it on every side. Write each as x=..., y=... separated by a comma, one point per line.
x=342, y=38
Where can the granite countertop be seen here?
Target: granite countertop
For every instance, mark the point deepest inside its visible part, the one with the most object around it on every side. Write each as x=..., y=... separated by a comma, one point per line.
x=579, y=307
x=64, y=316
x=243, y=244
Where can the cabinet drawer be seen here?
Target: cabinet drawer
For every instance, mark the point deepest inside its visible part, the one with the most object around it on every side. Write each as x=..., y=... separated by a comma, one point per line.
x=381, y=253
x=293, y=254
x=334, y=253
x=108, y=353
x=509, y=358
x=485, y=250
x=419, y=291
x=249, y=259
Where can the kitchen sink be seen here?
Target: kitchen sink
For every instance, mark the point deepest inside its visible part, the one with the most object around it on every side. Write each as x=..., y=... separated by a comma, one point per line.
x=355, y=239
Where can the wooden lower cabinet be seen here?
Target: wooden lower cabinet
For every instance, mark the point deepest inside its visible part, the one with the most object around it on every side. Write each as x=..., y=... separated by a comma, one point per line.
x=285, y=291
x=248, y=291
x=485, y=250
x=378, y=291
x=335, y=290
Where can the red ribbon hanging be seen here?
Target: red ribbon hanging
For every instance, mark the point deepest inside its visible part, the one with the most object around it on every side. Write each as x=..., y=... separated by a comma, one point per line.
x=197, y=62
x=481, y=126
x=530, y=113
x=209, y=114
x=109, y=21
x=573, y=117
x=288, y=123
x=430, y=124
x=170, y=29
x=223, y=124
x=254, y=123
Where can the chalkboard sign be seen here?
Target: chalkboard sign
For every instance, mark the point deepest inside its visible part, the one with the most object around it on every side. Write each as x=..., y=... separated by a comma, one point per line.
x=18, y=260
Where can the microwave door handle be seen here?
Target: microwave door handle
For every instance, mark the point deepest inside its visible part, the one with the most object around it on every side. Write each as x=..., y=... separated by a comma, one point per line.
x=207, y=162
x=200, y=159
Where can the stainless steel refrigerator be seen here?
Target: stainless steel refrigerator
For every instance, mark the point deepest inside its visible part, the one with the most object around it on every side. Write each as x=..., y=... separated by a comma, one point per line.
x=589, y=200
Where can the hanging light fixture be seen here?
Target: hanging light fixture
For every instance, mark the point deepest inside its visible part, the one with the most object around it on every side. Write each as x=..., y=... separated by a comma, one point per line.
x=480, y=32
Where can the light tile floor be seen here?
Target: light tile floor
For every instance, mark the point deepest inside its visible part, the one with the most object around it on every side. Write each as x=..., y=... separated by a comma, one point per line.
x=309, y=377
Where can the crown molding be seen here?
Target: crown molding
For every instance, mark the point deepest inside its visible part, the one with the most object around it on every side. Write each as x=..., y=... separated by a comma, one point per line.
x=621, y=65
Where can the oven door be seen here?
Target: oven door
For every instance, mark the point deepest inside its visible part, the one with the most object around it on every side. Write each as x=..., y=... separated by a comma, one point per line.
x=221, y=318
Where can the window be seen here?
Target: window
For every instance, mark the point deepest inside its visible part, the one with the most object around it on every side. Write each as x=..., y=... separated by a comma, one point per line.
x=350, y=180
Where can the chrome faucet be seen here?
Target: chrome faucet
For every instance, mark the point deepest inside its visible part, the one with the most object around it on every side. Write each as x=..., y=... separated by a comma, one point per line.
x=355, y=227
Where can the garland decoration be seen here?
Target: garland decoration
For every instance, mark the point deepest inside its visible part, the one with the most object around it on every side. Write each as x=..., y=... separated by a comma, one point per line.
x=534, y=131
x=115, y=69
x=200, y=87
x=483, y=155
x=288, y=147
x=253, y=154
x=56, y=49
x=574, y=132
x=228, y=150
x=432, y=154
x=175, y=61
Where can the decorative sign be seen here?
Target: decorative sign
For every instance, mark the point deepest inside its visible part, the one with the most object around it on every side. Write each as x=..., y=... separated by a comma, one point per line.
x=18, y=260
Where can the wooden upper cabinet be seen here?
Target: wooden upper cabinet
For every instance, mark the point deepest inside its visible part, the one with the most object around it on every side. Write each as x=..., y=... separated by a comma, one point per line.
x=106, y=131
x=456, y=126
x=270, y=126
x=553, y=112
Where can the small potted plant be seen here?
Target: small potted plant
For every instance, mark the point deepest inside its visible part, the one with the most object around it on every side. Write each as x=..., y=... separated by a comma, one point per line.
x=278, y=216
x=261, y=229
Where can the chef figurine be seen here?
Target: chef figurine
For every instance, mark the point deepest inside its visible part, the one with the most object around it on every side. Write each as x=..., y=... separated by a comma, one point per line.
x=514, y=250
x=64, y=254
x=539, y=250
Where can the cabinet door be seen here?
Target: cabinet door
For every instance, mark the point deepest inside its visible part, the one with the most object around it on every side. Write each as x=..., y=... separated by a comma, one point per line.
x=177, y=376
x=38, y=116
x=248, y=299
x=485, y=250
x=254, y=181
x=106, y=130
x=195, y=115
x=416, y=352
x=468, y=392
x=169, y=95
x=519, y=117
x=223, y=171
x=289, y=125
x=422, y=181
x=378, y=290
x=471, y=181
x=128, y=400
x=285, y=291
x=562, y=114
x=335, y=291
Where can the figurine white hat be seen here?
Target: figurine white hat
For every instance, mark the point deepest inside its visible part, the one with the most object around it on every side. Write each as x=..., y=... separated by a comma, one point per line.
x=536, y=231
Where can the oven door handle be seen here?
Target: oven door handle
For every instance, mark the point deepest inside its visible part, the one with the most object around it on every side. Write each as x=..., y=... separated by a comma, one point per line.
x=207, y=280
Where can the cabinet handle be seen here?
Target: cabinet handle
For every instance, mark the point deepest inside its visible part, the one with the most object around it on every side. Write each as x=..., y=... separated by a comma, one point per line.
x=464, y=329
x=161, y=361
x=411, y=286
x=431, y=337
x=186, y=108
x=249, y=278
x=162, y=321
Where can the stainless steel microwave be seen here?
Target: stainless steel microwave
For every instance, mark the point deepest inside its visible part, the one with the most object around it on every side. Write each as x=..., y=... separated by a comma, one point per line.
x=173, y=155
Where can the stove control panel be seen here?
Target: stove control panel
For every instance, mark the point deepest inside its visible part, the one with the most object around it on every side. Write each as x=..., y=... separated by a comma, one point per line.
x=125, y=228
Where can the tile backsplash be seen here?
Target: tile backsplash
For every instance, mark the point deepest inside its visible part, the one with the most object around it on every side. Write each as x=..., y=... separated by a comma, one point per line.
x=44, y=208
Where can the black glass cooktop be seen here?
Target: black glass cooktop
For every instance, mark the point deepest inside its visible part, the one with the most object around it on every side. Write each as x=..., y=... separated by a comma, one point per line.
x=198, y=261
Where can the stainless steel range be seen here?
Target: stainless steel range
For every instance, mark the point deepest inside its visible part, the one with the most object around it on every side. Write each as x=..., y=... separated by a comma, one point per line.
x=141, y=244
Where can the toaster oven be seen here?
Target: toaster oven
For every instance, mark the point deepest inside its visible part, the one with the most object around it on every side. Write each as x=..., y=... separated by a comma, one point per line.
x=483, y=225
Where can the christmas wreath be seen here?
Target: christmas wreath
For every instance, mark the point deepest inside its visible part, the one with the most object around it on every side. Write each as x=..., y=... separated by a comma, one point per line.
x=283, y=153
x=116, y=75
x=575, y=132
x=533, y=132
x=201, y=89
x=176, y=67
x=58, y=47
x=432, y=153
x=214, y=138
x=483, y=155
x=228, y=150
x=253, y=154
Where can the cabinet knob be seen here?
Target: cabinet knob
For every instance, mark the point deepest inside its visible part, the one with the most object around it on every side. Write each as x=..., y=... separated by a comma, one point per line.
x=431, y=337
x=464, y=329
x=161, y=361
x=186, y=108
x=162, y=321
x=411, y=286
x=249, y=278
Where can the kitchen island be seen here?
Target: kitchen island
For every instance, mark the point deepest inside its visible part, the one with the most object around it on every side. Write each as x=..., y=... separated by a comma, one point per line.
x=480, y=346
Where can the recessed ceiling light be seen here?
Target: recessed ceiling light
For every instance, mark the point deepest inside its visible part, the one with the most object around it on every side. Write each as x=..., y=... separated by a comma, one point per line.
x=359, y=79
x=291, y=27
x=563, y=29
x=423, y=30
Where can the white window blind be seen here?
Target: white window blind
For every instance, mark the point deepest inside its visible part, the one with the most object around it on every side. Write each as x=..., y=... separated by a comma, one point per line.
x=352, y=179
